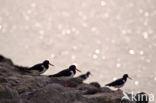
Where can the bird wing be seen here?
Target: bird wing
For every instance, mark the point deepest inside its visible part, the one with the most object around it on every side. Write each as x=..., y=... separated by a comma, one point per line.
x=36, y=67
x=65, y=72
x=116, y=82
x=21, y=68
x=83, y=76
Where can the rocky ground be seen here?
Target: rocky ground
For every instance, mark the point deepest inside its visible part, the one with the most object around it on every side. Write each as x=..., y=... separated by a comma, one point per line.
x=17, y=87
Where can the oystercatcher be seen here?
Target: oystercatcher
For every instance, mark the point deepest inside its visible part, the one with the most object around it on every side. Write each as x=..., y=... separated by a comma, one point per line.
x=40, y=68
x=70, y=72
x=84, y=76
x=119, y=82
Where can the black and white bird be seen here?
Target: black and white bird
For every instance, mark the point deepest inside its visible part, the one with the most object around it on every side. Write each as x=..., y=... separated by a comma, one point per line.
x=119, y=82
x=69, y=73
x=39, y=68
x=84, y=76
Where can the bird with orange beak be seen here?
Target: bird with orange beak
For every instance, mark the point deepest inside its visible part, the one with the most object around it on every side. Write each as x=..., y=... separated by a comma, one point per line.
x=119, y=82
x=69, y=73
x=40, y=68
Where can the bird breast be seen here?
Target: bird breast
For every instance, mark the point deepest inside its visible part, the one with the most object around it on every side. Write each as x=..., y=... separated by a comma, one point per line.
x=44, y=69
x=72, y=74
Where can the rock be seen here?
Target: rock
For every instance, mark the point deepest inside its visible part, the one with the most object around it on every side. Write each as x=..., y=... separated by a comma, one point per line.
x=5, y=60
x=55, y=93
x=2, y=80
x=51, y=93
x=30, y=83
x=19, y=87
x=106, y=90
x=96, y=84
x=73, y=82
x=88, y=89
x=9, y=95
x=112, y=97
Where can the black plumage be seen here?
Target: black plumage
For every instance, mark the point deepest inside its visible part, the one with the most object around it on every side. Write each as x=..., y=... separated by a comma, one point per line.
x=119, y=82
x=41, y=66
x=70, y=72
x=37, y=69
x=84, y=76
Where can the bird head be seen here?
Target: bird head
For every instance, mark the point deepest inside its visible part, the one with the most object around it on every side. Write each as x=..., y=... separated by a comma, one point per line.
x=46, y=63
x=125, y=76
x=88, y=73
x=73, y=68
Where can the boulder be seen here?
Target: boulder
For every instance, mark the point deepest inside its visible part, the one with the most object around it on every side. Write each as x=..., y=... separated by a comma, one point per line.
x=19, y=87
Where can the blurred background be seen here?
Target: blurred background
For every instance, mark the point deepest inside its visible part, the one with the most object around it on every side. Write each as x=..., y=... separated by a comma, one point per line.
x=106, y=37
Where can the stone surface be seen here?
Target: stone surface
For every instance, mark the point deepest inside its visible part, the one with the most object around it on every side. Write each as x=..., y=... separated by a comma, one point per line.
x=15, y=87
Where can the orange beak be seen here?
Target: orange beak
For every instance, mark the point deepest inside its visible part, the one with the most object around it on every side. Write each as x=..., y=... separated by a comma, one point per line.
x=78, y=70
x=51, y=64
x=130, y=78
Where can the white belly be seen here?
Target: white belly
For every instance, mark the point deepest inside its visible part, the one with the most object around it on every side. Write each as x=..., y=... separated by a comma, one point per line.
x=44, y=69
x=72, y=74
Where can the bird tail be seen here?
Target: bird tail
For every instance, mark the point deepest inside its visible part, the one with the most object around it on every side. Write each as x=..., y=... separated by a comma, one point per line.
x=50, y=76
x=21, y=68
x=107, y=85
x=84, y=76
x=53, y=75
